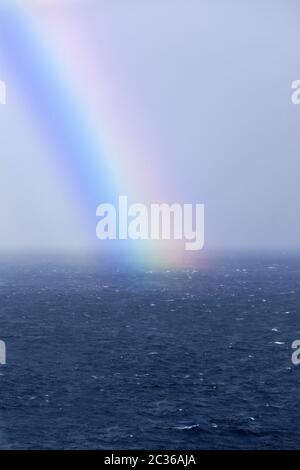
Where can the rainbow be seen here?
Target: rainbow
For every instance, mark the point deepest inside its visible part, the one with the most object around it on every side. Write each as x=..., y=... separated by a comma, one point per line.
x=94, y=133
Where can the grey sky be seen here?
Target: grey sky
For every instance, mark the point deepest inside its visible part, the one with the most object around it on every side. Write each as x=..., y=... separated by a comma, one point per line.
x=213, y=79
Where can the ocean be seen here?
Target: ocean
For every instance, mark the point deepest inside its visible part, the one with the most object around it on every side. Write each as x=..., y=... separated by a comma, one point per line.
x=121, y=357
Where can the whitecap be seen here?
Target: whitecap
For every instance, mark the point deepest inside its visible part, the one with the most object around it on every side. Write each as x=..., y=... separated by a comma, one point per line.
x=183, y=428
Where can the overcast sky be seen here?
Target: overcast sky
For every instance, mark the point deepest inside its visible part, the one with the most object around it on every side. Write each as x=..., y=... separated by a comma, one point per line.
x=213, y=81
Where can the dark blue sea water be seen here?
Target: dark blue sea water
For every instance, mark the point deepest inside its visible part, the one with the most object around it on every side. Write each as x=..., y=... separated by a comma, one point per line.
x=125, y=358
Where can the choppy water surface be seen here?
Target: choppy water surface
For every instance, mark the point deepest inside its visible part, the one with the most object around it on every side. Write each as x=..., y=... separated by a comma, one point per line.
x=121, y=358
